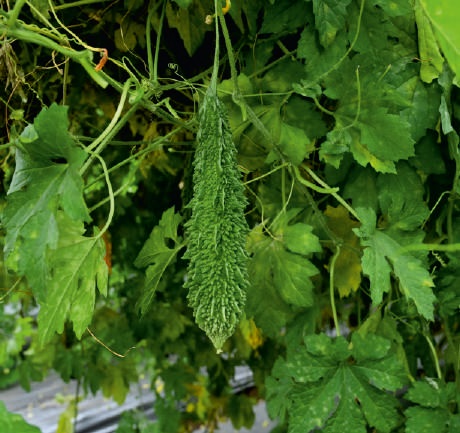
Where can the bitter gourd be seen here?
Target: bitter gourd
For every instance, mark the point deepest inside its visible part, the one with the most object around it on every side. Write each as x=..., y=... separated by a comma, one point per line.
x=216, y=231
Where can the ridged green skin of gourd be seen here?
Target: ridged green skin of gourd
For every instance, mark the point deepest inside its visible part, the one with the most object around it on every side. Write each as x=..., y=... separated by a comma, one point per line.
x=217, y=270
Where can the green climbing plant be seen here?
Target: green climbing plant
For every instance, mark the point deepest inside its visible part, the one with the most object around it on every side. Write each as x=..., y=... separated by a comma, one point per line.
x=275, y=180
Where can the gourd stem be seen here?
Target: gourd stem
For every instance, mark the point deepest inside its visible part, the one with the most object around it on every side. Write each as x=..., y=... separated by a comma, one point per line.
x=215, y=69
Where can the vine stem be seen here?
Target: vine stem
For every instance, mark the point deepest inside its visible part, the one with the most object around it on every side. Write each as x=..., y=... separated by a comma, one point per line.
x=111, y=197
x=451, y=248
x=70, y=32
x=11, y=289
x=246, y=110
x=83, y=57
x=14, y=14
x=98, y=145
x=137, y=155
x=456, y=348
x=358, y=108
x=99, y=341
x=285, y=164
x=352, y=44
x=328, y=190
x=434, y=355
x=215, y=68
x=78, y=3
x=331, y=289
x=153, y=61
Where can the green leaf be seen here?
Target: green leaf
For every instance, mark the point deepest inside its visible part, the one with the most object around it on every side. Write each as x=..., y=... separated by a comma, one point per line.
x=184, y=3
x=246, y=135
x=280, y=272
x=157, y=254
x=394, y=8
x=379, y=138
x=168, y=415
x=190, y=23
x=277, y=400
x=115, y=385
x=329, y=18
x=428, y=159
x=129, y=35
x=303, y=114
x=434, y=407
x=407, y=209
x=135, y=421
x=445, y=16
x=337, y=143
x=361, y=188
x=420, y=115
x=334, y=384
x=422, y=420
x=384, y=256
x=46, y=180
x=77, y=266
x=318, y=61
x=431, y=59
x=14, y=423
x=284, y=15
x=240, y=411
x=366, y=119
x=294, y=144
x=299, y=239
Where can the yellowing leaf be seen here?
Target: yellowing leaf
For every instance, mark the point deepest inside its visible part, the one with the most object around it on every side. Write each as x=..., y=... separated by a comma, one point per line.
x=115, y=386
x=348, y=264
x=65, y=424
x=200, y=393
x=251, y=333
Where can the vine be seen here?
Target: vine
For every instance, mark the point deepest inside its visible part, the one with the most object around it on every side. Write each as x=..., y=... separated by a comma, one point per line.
x=284, y=181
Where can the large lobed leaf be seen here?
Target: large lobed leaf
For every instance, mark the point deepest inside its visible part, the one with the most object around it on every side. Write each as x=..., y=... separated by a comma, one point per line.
x=44, y=220
x=280, y=271
x=329, y=18
x=433, y=407
x=45, y=180
x=337, y=386
x=157, y=254
x=77, y=266
x=367, y=123
x=384, y=257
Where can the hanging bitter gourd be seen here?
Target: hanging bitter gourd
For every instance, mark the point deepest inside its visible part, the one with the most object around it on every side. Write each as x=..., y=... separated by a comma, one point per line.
x=216, y=231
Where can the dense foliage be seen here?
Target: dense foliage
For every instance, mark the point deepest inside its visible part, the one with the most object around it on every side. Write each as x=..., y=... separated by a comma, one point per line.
x=344, y=114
